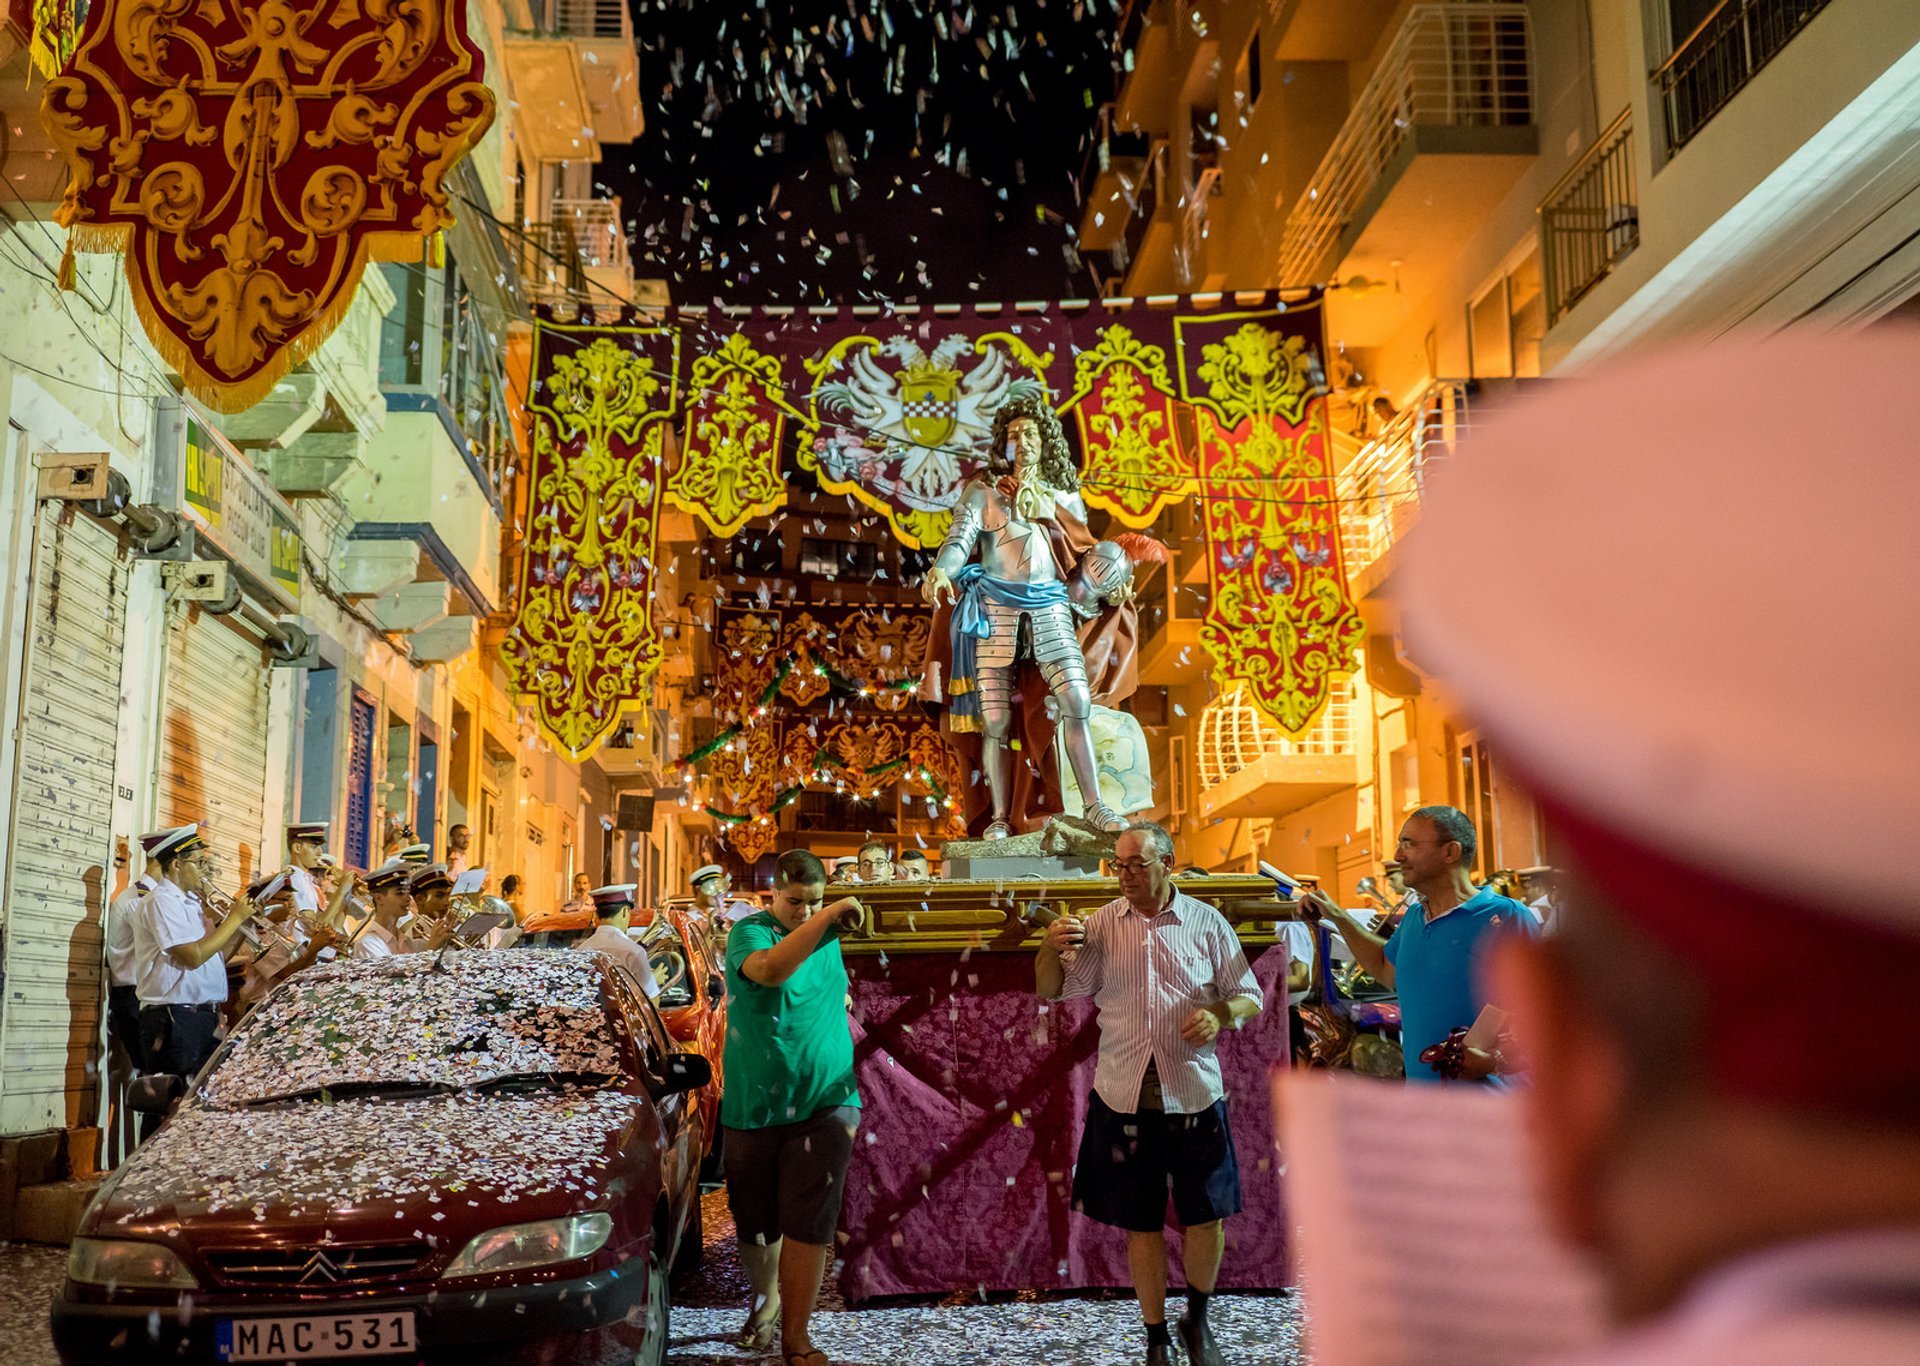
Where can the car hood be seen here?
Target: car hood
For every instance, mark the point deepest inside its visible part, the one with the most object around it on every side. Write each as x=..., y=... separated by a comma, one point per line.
x=435, y=1170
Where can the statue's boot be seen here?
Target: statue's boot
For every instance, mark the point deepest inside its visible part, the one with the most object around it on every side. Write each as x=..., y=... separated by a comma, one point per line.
x=1079, y=737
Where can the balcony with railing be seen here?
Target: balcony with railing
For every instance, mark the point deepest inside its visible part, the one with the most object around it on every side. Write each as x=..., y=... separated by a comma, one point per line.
x=1443, y=129
x=579, y=256
x=1147, y=228
x=1379, y=488
x=1112, y=176
x=1173, y=600
x=1714, y=63
x=1195, y=227
x=1590, y=219
x=1250, y=769
x=574, y=65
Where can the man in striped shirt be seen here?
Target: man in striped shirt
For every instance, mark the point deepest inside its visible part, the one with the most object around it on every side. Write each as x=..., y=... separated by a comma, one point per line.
x=1168, y=974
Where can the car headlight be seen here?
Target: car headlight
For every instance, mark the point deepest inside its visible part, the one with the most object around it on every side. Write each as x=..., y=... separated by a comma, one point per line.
x=127, y=1264
x=540, y=1243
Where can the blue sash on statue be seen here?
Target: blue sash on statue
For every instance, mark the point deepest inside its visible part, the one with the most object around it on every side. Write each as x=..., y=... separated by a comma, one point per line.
x=973, y=588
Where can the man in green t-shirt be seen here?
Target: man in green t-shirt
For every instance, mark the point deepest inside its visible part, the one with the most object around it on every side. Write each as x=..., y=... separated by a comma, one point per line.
x=790, y=1106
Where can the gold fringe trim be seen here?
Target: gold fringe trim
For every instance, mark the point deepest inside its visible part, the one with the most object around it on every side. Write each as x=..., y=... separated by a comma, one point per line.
x=964, y=725
x=961, y=685
x=236, y=396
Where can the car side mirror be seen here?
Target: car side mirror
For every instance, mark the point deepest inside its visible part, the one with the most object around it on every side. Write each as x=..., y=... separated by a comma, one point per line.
x=716, y=988
x=682, y=1072
x=155, y=1093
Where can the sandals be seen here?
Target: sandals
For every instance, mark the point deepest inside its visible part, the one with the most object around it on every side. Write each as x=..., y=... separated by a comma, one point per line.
x=756, y=1334
x=998, y=830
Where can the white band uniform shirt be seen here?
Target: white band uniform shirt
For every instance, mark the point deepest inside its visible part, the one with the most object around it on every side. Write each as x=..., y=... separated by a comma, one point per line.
x=167, y=919
x=306, y=894
x=122, y=959
x=376, y=941
x=617, y=945
x=1148, y=974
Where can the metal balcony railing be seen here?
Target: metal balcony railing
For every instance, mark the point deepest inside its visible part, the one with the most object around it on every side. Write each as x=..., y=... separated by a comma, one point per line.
x=598, y=19
x=1711, y=65
x=1235, y=734
x=580, y=235
x=1590, y=219
x=1457, y=65
x=1379, y=490
x=1144, y=201
x=1193, y=224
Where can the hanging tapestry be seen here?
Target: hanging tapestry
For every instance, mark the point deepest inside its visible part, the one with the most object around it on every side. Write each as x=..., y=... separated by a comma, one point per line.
x=583, y=646
x=249, y=160
x=1124, y=406
x=1279, y=617
x=737, y=415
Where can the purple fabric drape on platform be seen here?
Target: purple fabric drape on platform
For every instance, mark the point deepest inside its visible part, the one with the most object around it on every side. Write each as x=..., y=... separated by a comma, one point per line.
x=974, y=1092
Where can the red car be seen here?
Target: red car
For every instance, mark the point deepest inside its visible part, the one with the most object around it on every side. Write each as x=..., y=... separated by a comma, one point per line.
x=693, y=996
x=477, y=1156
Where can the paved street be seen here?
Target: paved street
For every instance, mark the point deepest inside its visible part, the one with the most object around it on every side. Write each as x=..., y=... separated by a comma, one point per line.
x=1060, y=1331
x=709, y=1306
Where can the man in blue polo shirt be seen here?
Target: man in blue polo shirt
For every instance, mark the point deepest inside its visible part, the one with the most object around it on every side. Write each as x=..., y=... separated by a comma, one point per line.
x=1431, y=960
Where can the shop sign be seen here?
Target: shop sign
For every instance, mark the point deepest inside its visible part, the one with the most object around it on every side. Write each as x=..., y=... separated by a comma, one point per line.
x=233, y=507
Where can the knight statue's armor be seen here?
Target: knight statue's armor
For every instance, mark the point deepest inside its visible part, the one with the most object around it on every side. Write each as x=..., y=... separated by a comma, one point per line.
x=1012, y=605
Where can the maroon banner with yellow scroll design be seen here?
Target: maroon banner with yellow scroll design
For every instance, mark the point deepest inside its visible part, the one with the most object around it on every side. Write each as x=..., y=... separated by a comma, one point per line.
x=737, y=415
x=583, y=647
x=1280, y=619
x=249, y=160
x=1124, y=404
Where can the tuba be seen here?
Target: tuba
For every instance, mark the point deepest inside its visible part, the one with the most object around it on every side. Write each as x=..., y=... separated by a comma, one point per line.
x=466, y=906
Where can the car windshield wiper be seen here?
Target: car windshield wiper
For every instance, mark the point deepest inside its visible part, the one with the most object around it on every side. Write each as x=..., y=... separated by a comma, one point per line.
x=346, y=1090
x=539, y=1081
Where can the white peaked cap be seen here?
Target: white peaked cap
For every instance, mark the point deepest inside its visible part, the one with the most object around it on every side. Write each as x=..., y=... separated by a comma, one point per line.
x=1681, y=594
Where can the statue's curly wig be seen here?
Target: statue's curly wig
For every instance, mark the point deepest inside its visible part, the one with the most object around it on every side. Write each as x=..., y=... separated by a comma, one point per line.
x=1056, y=460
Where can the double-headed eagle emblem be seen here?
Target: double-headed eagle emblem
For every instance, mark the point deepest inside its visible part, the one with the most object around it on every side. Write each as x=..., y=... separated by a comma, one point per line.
x=904, y=430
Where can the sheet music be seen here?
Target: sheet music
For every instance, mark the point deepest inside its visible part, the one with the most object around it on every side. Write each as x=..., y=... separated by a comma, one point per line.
x=1420, y=1239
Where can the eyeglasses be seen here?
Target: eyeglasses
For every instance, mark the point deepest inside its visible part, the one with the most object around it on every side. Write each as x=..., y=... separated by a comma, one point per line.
x=1123, y=866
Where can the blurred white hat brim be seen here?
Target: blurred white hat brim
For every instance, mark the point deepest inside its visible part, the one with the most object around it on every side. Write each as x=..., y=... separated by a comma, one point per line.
x=1679, y=593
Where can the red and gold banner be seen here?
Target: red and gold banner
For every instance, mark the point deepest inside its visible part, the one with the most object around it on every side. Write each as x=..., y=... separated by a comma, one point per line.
x=737, y=415
x=1279, y=619
x=583, y=646
x=248, y=160
x=1123, y=403
x=1223, y=404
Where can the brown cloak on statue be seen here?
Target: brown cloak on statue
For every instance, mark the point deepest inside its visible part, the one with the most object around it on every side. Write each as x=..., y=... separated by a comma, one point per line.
x=1111, y=642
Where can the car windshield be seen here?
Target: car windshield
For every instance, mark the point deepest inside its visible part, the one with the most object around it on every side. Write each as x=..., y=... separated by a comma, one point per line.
x=420, y=1025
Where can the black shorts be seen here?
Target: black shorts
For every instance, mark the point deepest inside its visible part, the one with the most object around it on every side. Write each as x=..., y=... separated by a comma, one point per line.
x=1127, y=1162
x=786, y=1181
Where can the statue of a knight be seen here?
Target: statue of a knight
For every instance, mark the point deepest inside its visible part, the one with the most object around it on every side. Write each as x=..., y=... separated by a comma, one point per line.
x=1030, y=586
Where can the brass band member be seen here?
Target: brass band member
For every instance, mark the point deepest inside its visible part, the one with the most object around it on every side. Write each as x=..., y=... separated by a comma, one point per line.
x=381, y=936
x=306, y=842
x=182, y=980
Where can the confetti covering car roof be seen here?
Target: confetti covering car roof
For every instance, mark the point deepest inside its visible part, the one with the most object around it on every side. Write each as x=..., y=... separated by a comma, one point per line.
x=457, y=1021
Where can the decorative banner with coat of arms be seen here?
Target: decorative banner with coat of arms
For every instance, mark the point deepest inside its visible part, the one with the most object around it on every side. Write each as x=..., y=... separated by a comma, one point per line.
x=583, y=647
x=248, y=160
x=1225, y=405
